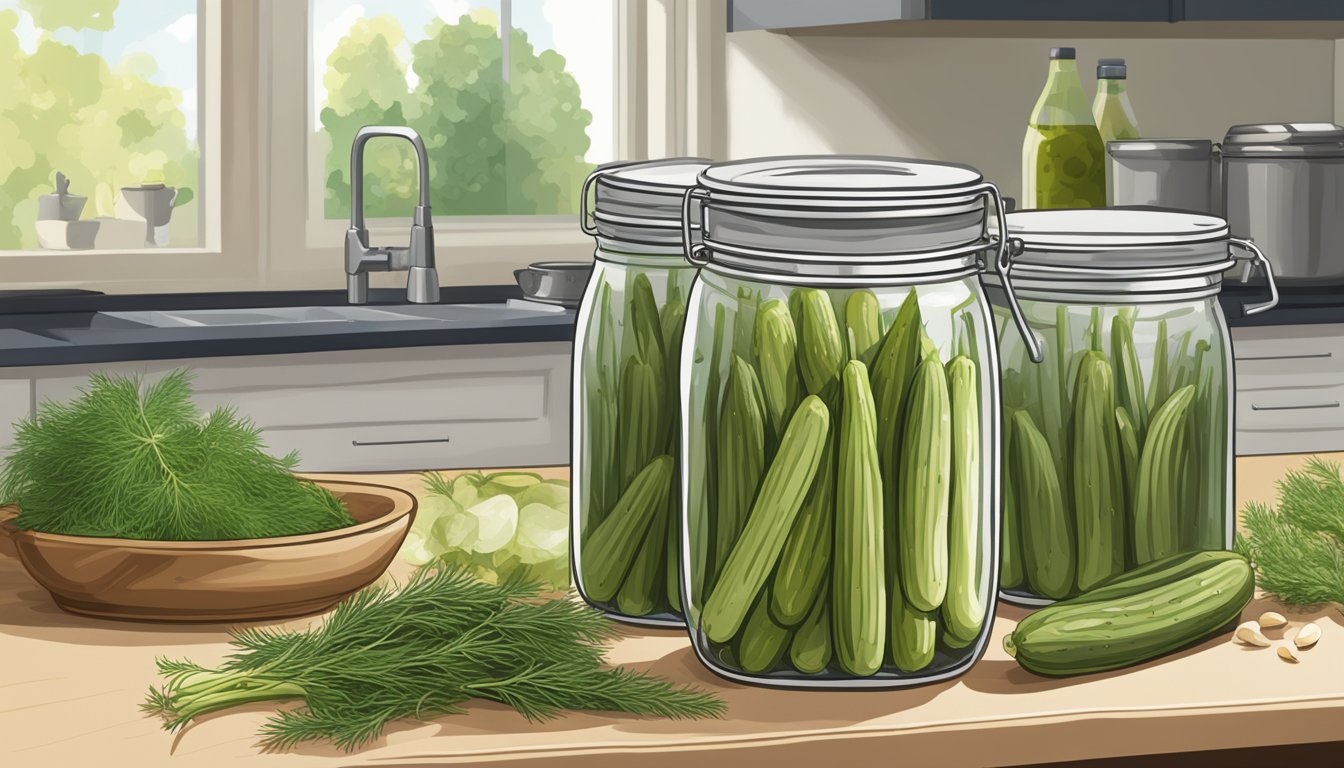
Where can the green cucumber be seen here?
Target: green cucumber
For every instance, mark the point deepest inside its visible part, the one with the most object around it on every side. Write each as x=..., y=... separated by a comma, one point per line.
x=1182, y=601
x=859, y=598
x=1160, y=493
x=741, y=453
x=1098, y=483
x=763, y=640
x=772, y=514
x=611, y=549
x=863, y=326
x=1046, y=526
x=925, y=474
x=964, y=608
x=810, y=652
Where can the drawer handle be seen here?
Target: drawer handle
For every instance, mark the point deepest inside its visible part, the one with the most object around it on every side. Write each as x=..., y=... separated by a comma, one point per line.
x=1308, y=407
x=366, y=443
x=1316, y=356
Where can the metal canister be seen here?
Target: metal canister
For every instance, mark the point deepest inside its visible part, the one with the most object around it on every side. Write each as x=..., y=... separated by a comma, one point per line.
x=1283, y=187
x=1167, y=173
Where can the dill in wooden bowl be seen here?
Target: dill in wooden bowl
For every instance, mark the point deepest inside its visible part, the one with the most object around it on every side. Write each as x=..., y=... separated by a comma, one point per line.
x=132, y=504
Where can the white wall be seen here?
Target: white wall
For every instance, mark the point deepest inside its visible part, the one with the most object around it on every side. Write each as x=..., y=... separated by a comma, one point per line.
x=968, y=100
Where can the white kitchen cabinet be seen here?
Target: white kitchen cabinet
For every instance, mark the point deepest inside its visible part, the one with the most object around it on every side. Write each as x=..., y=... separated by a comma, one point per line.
x=1290, y=388
x=382, y=410
x=16, y=402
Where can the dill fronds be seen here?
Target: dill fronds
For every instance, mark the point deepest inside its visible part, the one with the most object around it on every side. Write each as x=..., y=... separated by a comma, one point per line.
x=1297, y=549
x=134, y=462
x=420, y=652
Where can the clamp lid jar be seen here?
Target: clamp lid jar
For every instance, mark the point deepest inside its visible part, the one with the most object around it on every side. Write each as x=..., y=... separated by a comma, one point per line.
x=1117, y=446
x=840, y=431
x=624, y=493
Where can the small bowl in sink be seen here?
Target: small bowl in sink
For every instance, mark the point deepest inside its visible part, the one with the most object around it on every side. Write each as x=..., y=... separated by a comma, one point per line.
x=554, y=282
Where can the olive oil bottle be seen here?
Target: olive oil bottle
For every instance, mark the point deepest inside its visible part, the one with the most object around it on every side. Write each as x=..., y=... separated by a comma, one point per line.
x=1111, y=108
x=1063, y=158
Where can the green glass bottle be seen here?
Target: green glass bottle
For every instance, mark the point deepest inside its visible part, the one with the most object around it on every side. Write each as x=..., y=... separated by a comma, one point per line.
x=1111, y=109
x=1063, y=158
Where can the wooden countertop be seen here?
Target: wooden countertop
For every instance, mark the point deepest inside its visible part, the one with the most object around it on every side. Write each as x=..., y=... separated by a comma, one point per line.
x=70, y=690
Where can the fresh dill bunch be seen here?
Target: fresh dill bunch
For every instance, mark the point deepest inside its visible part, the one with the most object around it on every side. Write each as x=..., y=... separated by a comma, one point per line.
x=1297, y=549
x=419, y=652
x=133, y=462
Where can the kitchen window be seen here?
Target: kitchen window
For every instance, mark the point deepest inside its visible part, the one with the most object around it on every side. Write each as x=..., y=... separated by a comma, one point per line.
x=253, y=161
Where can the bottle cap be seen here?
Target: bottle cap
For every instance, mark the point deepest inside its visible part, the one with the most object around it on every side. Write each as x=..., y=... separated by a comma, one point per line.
x=1112, y=69
x=1063, y=53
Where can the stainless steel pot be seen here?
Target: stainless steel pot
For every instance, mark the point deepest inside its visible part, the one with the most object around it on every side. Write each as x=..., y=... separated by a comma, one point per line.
x=1283, y=187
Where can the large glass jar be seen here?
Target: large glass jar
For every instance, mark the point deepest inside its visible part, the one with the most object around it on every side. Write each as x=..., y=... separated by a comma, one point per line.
x=627, y=348
x=1118, y=445
x=840, y=434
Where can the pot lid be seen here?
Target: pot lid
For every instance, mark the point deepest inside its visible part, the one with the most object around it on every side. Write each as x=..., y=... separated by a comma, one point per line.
x=1284, y=139
x=828, y=181
x=1161, y=149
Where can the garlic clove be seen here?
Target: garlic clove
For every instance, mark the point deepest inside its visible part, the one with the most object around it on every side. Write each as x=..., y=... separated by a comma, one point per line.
x=1286, y=653
x=1272, y=620
x=1307, y=636
x=1249, y=634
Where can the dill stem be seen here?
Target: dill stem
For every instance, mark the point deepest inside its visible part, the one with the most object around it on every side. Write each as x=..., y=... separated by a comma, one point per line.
x=189, y=707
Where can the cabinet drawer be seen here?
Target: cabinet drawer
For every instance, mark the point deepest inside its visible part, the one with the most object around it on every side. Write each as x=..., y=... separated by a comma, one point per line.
x=387, y=409
x=1288, y=342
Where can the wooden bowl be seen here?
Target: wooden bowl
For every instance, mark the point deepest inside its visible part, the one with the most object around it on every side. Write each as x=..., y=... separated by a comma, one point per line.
x=242, y=579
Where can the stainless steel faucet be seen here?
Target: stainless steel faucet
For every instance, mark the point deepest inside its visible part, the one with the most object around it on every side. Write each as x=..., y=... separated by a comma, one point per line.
x=422, y=280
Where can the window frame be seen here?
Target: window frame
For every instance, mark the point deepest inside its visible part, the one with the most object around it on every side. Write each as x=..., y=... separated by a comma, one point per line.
x=226, y=257
x=255, y=232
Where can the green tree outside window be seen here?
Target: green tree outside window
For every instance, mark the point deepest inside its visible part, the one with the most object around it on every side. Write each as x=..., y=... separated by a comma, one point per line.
x=495, y=147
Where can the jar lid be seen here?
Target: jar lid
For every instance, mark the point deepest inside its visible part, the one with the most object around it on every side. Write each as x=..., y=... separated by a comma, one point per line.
x=1284, y=139
x=1161, y=149
x=840, y=183
x=1052, y=237
x=645, y=193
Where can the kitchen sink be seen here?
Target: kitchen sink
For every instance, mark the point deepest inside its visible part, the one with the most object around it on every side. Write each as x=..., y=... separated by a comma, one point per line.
x=431, y=313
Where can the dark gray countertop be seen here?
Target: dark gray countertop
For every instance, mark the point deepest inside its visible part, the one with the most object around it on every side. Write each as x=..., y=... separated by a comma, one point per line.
x=61, y=328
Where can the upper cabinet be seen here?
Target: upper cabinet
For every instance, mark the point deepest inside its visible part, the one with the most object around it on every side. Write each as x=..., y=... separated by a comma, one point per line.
x=864, y=15
x=1259, y=10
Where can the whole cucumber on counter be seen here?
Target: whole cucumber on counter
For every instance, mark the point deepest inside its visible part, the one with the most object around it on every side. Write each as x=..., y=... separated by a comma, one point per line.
x=1046, y=526
x=925, y=461
x=963, y=609
x=772, y=514
x=858, y=610
x=1143, y=615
